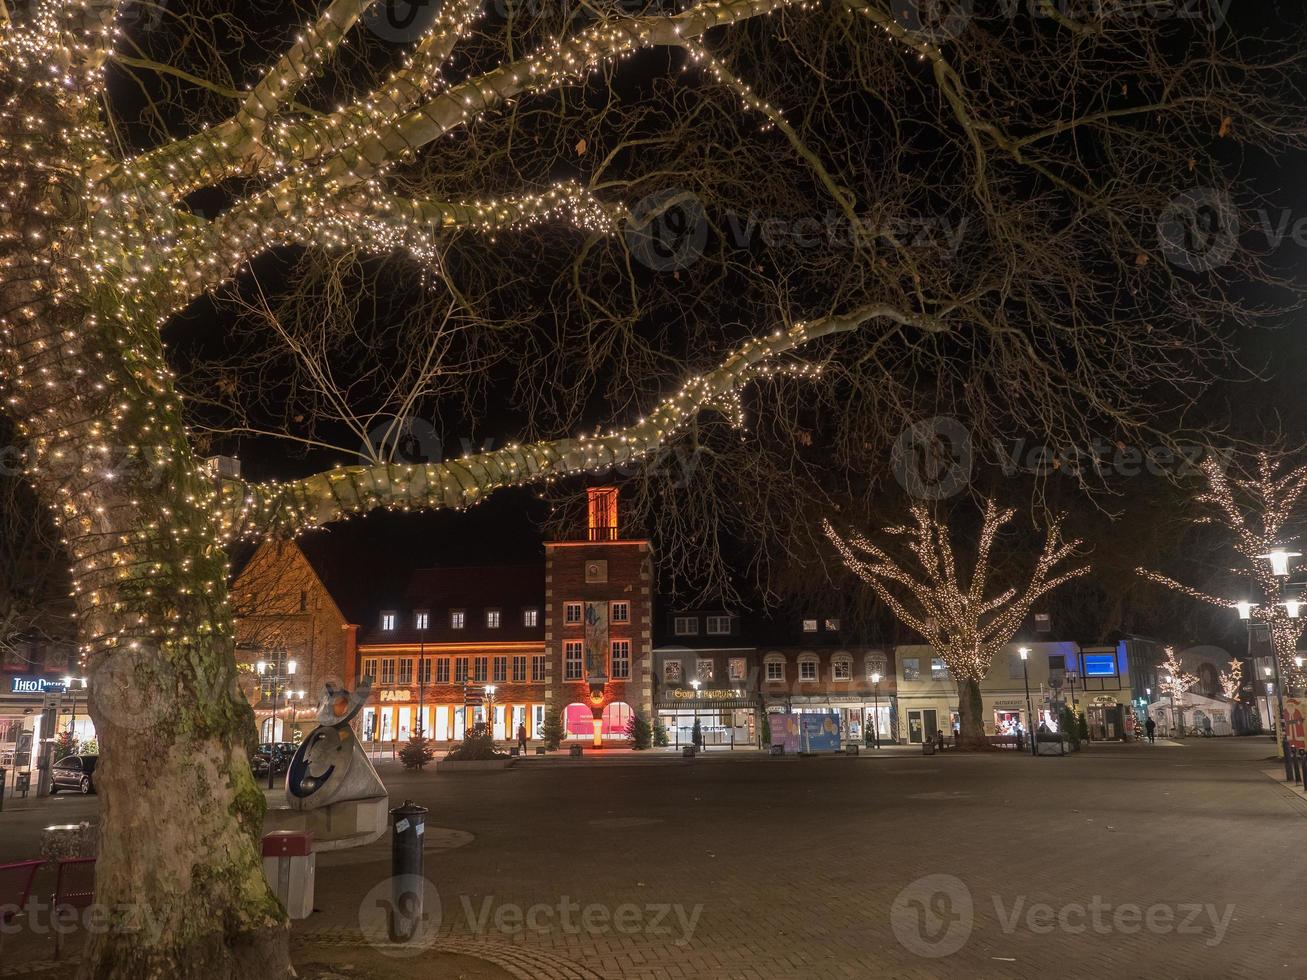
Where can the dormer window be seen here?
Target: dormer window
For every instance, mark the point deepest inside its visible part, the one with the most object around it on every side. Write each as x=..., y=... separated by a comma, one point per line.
x=719, y=625
x=492, y=619
x=832, y=625
x=530, y=617
x=686, y=626
x=809, y=626
x=421, y=619
x=457, y=618
x=388, y=620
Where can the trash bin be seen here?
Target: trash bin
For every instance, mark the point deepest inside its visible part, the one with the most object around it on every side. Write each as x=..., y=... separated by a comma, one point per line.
x=575, y=750
x=928, y=747
x=853, y=748
x=288, y=864
x=23, y=782
x=777, y=750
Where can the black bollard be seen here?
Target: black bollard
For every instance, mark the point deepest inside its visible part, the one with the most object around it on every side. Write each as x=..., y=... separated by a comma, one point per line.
x=407, y=830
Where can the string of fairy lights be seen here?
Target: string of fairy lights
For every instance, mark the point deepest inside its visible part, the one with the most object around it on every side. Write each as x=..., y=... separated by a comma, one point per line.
x=966, y=627
x=110, y=256
x=1255, y=510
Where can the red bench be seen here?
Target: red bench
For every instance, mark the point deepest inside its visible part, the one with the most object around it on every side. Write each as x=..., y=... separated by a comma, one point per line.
x=15, y=887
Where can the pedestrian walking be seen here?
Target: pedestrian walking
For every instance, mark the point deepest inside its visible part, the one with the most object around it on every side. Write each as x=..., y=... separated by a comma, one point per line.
x=1150, y=727
x=521, y=736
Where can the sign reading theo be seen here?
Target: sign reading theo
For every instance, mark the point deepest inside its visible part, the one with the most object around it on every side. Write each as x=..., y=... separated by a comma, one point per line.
x=36, y=685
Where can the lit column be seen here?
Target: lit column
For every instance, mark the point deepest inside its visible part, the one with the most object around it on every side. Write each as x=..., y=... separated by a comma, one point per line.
x=1030, y=709
x=875, y=711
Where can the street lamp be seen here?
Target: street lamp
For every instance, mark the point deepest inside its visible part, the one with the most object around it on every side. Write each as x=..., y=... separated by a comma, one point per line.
x=696, y=684
x=875, y=715
x=263, y=667
x=1279, y=559
x=1030, y=708
x=68, y=686
x=490, y=709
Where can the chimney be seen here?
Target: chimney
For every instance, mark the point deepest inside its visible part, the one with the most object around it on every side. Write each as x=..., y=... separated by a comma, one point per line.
x=603, y=513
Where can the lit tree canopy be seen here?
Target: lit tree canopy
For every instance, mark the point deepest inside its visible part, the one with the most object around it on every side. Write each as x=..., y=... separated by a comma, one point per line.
x=1255, y=507
x=965, y=618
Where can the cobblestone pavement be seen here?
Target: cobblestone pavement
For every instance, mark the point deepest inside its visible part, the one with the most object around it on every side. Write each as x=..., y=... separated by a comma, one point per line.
x=1173, y=860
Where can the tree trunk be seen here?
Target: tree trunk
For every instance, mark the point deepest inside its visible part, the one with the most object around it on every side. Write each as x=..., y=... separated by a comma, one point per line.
x=179, y=880
x=971, y=713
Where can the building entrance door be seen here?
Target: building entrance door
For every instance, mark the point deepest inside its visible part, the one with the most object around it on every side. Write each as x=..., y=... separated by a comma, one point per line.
x=922, y=724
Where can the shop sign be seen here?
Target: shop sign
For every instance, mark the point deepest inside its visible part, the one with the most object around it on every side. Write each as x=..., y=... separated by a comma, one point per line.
x=395, y=695
x=35, y=685
x=713, y=695
x=1104, y=699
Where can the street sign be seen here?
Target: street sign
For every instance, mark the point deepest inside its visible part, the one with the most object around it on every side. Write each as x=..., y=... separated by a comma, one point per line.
x=472, y=695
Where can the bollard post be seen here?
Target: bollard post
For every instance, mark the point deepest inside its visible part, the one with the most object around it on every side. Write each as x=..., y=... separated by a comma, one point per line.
x=4, y=774
x=408, y=828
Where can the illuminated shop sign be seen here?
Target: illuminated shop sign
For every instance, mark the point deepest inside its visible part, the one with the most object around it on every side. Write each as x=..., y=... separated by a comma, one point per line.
x=35, y=685
x=1100, y=665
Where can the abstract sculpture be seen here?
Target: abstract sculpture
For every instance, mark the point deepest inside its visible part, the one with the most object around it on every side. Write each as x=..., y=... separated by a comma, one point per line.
x=330, y=765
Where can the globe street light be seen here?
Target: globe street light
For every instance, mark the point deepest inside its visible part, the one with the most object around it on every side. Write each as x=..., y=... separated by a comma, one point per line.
x=490, y=709
x=1030, y=708
x=875, y=680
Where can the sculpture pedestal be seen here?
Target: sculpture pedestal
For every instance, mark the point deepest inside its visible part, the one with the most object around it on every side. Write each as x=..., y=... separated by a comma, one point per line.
x=348, y=823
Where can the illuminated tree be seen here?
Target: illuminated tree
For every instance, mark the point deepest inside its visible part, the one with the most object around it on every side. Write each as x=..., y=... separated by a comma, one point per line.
x=957, y=615
x=1175, y=683
x=1232, y=680
x=1252, y=507
x=160, y=170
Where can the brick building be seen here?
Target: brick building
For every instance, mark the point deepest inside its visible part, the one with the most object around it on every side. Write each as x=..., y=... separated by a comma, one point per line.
x=290, y=624
x=502, y=645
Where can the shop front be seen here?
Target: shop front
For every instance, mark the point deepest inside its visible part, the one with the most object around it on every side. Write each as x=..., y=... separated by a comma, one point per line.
x=1109, y=720
x=395, y=716
x=727, y=718
x=34, y=711
x=859, y=718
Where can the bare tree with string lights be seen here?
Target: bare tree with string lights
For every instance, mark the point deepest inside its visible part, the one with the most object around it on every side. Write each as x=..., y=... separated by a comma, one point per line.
x=958, y=615
x=1175, y=682
x=1254, y=508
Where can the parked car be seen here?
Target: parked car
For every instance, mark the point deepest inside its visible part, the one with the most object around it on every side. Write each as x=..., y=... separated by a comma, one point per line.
x=74, y=772
x=259, y=764
x=279, y=753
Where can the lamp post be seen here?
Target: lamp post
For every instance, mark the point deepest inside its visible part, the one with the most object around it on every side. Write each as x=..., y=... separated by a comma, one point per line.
x=490, y=709
x=1030, y=708
x=265, y=668
x=291, y=698
x=695, y=684
x=1170, y=689
x=422, y=662
x=875, y=711
x=68, y=686
x=1279, y=559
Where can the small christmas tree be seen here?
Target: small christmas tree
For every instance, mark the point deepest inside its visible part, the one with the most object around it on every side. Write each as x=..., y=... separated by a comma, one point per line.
x=638, y=731
x=696, y=735
x=1083, y=728
x=551, y=731
x=416, y=753
x=660, y=737
x=766, y=731
x=65, y=744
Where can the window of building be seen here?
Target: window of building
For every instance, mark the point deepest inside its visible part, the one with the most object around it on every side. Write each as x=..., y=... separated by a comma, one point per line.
x=572, y=660
x=537, y=668
x=572, y=613
x=421, y=619
x=672, y=671
x=703, y=668
x=735, y=668
x=388, y=673
x=776, y=669
x=370, y=669
x=304, y=601
x=911, y=669
x=530, y=617
x=719, y=625
x=808, y=669
x=1016, y=667
x=501, y=670
x=456, y=619
x=405, y=675
x=387, y=620
x=480, y=669
x=492, y=619
x=424, y=670
x=442, y=670
x=938, y=671
x=841, y=669
x=686, y=626
x=621, y=659
x=519, y=668
x=621, y=612
x=1057, y=661
x=832, y=625
x=460, y=670
x=876, y=664
x=809, y=626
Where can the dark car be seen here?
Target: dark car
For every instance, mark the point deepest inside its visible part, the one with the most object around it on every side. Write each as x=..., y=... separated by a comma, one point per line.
x=278, y=753
x=74, y=772
x=259, y=764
